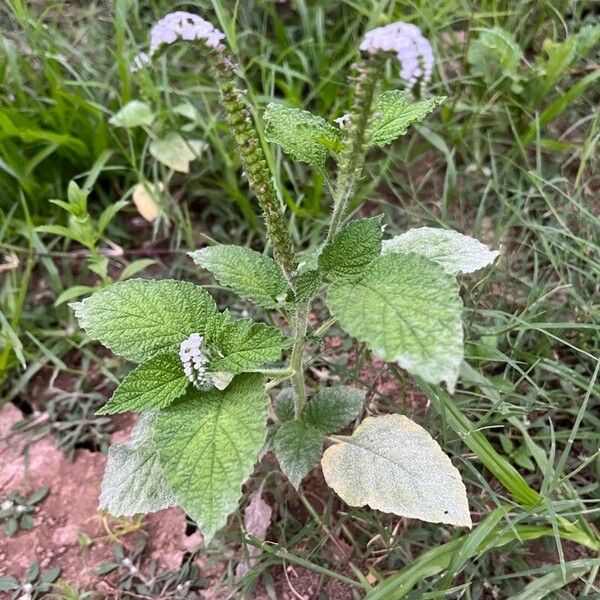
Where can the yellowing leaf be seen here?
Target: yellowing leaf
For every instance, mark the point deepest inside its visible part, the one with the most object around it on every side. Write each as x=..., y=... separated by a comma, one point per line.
x=144, y=197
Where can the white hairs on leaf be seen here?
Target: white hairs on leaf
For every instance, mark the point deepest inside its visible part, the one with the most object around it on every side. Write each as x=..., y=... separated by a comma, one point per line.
x=412, y=49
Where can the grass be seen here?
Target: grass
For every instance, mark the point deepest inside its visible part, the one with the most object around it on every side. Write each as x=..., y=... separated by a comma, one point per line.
x=514, y=168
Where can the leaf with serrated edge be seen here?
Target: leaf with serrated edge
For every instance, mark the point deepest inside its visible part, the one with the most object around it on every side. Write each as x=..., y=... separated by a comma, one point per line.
x=298, y=447
x=302, y=135
x=133, y=480
x=139, y=318
x=392, y=464
x=248, y=273
x=353, y=248
x=455, y=252
x=334, y=407
x=208, y=443
x=154, y=384
x=395, y=113
x=244, y=345
x=407, y=310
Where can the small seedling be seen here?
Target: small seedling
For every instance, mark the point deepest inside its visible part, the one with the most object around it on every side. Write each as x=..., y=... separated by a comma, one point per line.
x=35, y=584
x=203, y=375
x=142, y=578
x=17, y=512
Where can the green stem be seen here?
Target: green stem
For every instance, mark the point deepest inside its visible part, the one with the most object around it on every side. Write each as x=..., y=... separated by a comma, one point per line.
x=296, y=359
x=352, y=156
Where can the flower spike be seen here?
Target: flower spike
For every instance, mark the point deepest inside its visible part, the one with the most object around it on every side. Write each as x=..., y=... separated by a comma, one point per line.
x=194, y=361
x=411, y=48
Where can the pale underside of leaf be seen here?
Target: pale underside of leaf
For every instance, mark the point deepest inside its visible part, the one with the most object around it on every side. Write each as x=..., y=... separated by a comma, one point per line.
x=133, y=481
x=407, y=310
x=208, y=444
x=175, y=152
x=139, y=318
x=455, y=252
x=154, y=384
x=248, y=273
x=392, y=464
x=334, y=408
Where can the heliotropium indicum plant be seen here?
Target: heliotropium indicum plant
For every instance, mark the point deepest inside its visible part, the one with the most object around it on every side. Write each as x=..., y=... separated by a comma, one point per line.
x=203, y=376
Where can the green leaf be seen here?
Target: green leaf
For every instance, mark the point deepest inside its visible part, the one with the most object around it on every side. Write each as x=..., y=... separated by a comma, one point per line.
x=7, y=583
x=408, y=310
x=133, y=114
x=334, y=407
x=62, y=232
x=307, y=284
x=392, y=464
x=455, y=252
x=395, y=113
x=243, y=344
x=284, y=405
x=155, y=384
x=208, y=445
x=353, y=248
x=133, y=268
x=248, y=273
x=302, y=135
x=73, y=292
x=298, y=447
x=139, y=318
x=175, y=152
x=109, y=213
x=133, y=480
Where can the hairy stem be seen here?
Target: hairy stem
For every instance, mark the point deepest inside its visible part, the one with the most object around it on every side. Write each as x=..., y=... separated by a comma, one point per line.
x=352, y=156
x=255, y=164
x=296, y=359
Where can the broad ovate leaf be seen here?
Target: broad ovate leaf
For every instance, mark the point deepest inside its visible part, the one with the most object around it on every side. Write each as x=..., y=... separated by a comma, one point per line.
x=407, y=310
x=175, y=152
x=302, y=135
x=208, y=443
x=332, y=408
x=248, y=273
x=154, y=384
x=394, y=113
x=139, y=318
x=298, y=447
x=133, y=481
x=352, y=249
x=134, y=114
x=244, y=345
x=392, y=464
x=455, y=252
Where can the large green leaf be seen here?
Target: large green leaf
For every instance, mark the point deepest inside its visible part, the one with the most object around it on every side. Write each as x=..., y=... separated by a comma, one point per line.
x=248, y=273
x=392, y=464
x=133, y=480
x=455, y=252
x=298, y=447
x=154, y=384
x=139, y=318
x=395, y=113
x=353, y=248
x=408, y=310
x=244, y=345
x=302, y=135
x=208, y=443
x=334, y=407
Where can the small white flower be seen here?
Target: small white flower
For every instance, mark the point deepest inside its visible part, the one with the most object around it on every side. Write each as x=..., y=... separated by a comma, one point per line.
x=343, y=121
x=194, y=361
x=7, y=505
x=412, y=50
x=21, y=509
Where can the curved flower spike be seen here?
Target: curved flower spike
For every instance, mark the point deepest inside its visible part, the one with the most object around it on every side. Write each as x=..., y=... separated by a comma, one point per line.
x=181, y=25
x=194, y=360
x=412, y=49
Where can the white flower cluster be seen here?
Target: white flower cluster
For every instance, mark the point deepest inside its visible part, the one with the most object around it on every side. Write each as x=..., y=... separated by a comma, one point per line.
x=194, y=361
x=412, y=49
x=179, y=25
